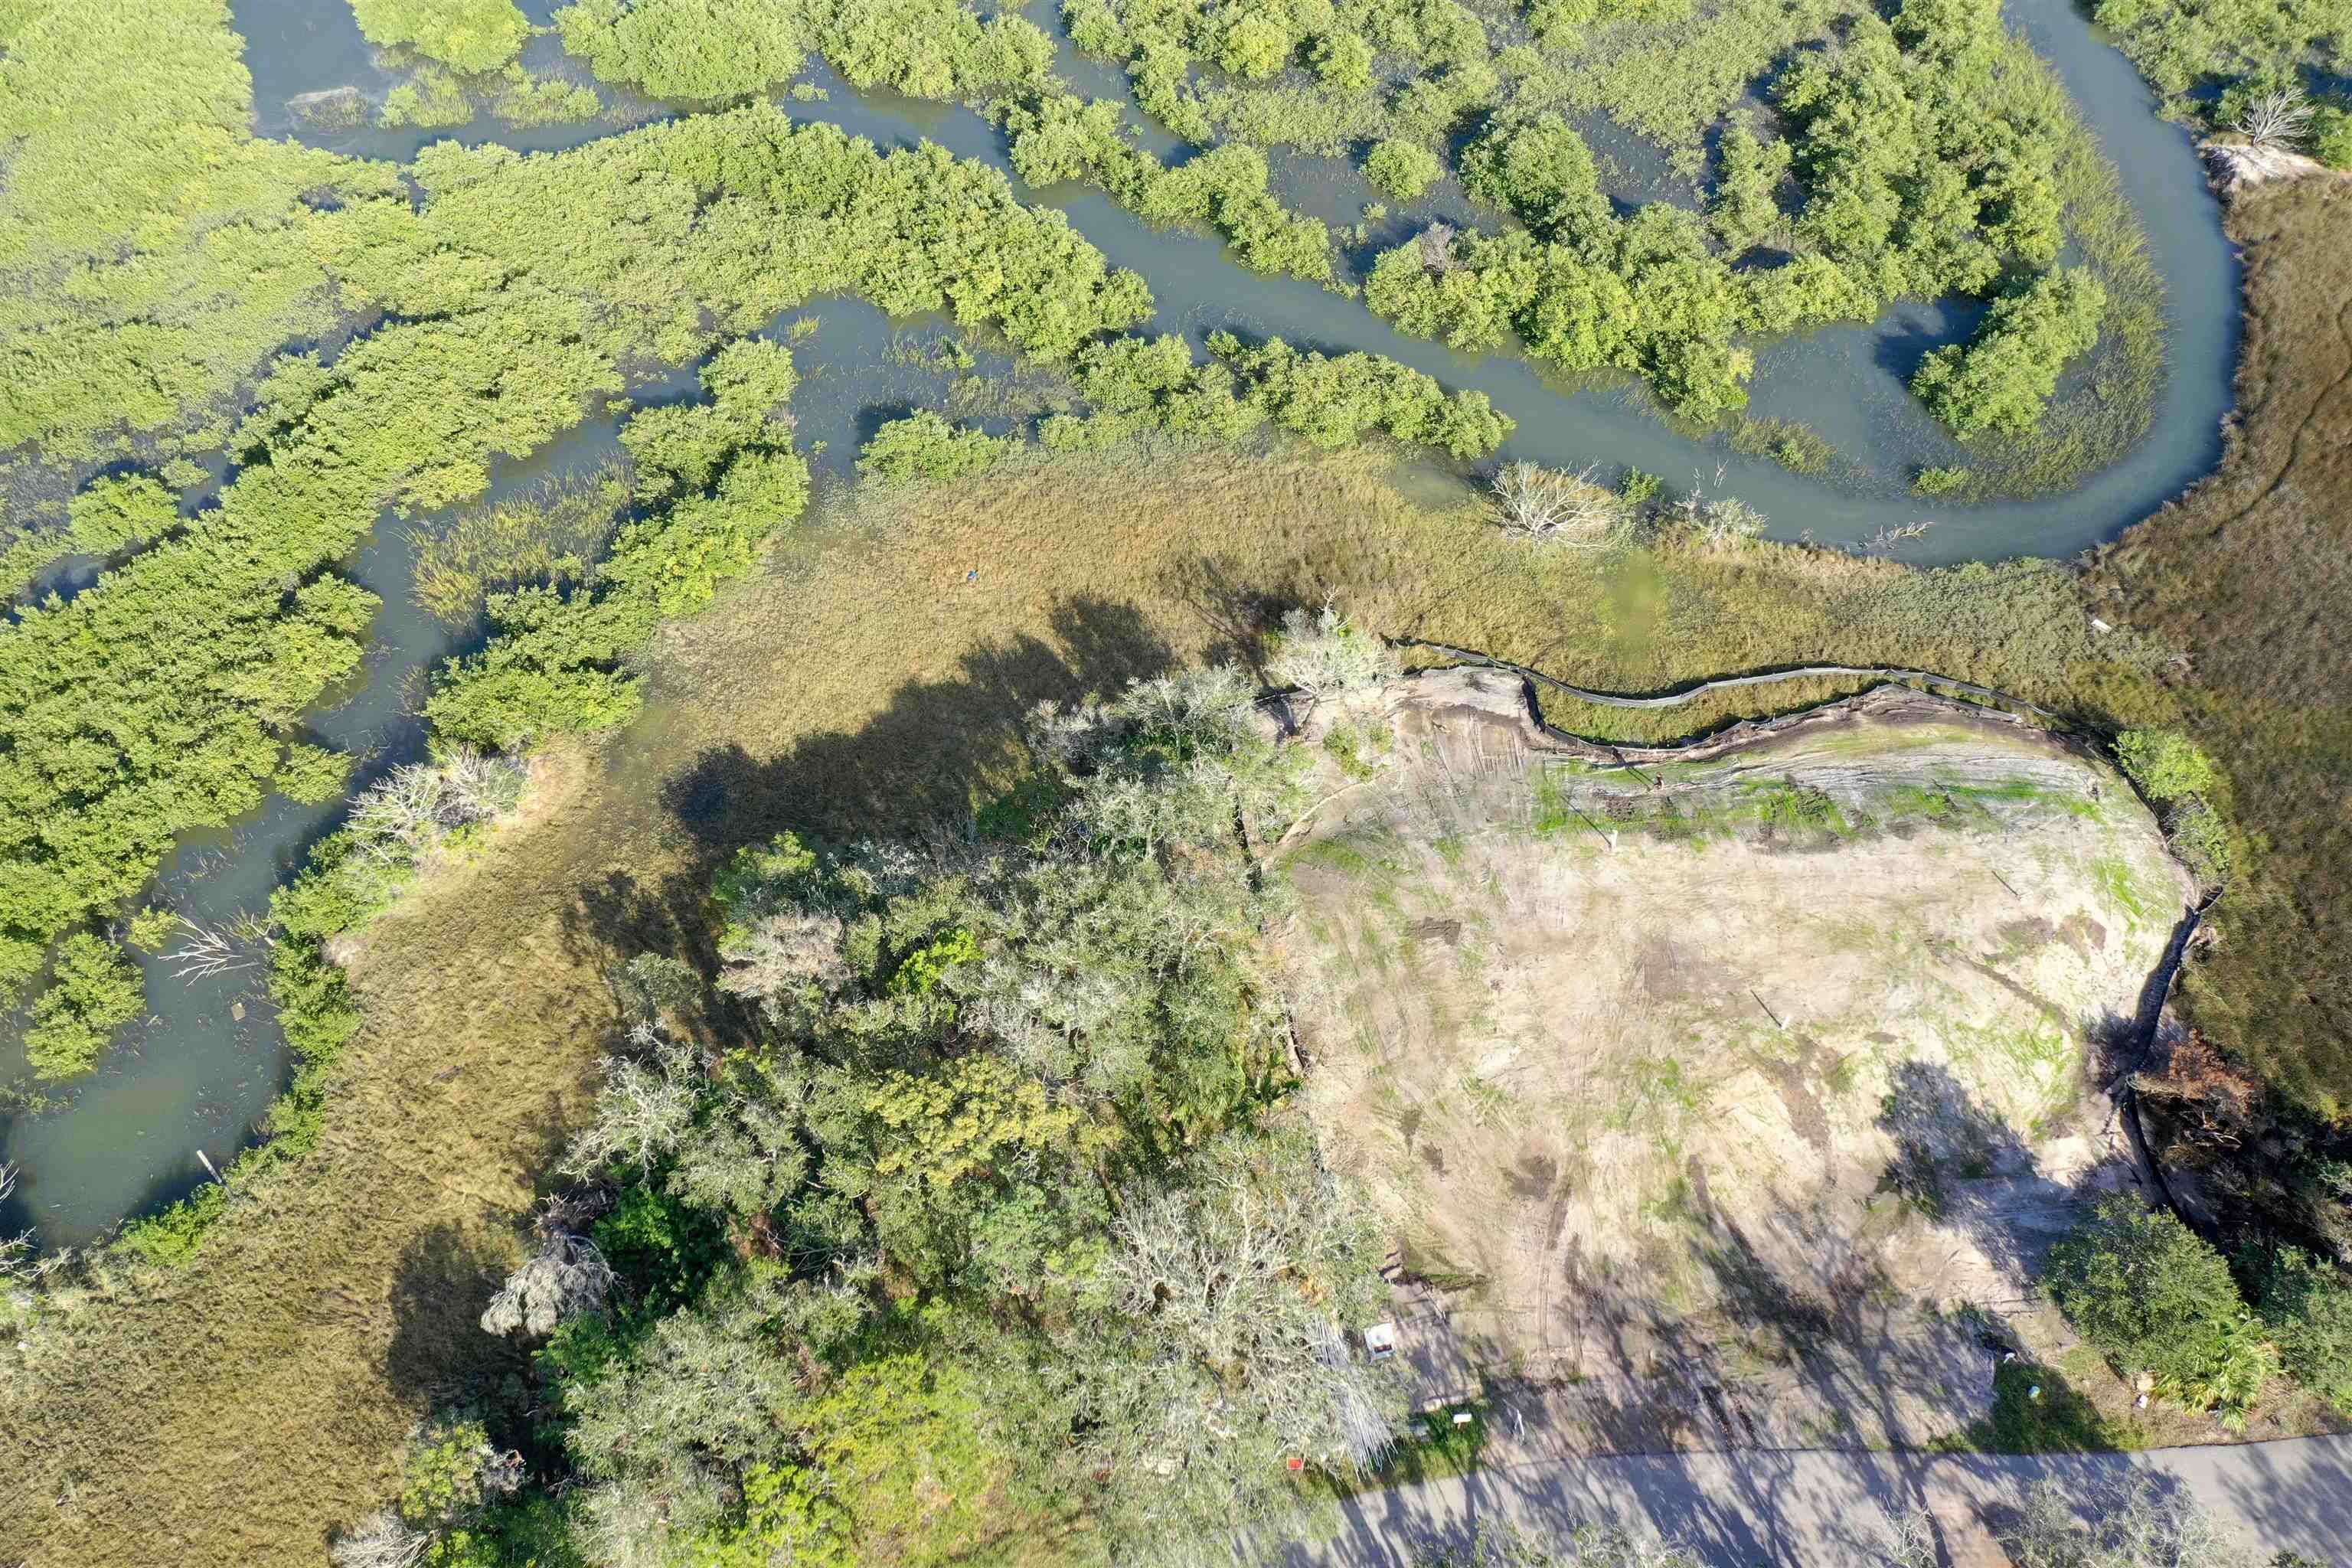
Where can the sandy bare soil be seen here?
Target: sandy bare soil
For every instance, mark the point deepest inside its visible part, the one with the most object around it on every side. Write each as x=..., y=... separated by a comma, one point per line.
x=1732, y=1092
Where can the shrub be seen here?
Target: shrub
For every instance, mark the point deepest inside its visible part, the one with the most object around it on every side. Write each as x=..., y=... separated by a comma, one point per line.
x=700, y=50
x=2154, y=1297
x=2001, y=378
x=2331, y=136
x=1746, y=209
x=1335, y=401
x=430, y=99
x=471, y=35
x=93, y=991
x=2144, y=1525
x=2166, y=764
x=312, y=775
x=121, y=513
x=1940, y=482
x=1403, y=170
x=925, y=446
x=171, y=1236
x=1342, y=60
x=2306, y=1303
x=2201, y=838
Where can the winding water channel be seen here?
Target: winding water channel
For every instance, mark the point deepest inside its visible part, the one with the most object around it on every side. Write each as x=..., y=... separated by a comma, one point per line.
x=196, y=1074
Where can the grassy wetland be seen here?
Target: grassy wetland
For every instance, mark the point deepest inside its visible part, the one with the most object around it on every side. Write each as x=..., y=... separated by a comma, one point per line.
x=737, y=829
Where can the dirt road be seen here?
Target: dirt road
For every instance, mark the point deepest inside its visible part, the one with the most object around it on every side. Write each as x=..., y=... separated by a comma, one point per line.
x=1826, y=1508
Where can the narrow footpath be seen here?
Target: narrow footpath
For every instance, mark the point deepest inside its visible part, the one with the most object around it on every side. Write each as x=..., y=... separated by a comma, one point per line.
x=1830, y=1509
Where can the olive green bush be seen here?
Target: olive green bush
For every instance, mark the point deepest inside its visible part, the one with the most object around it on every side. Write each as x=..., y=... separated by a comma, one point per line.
x=431, y=100
x=471, y=35
x=2305, y=1302
x=2331, y=136
x=1401, y=169
x=92, y=992
x=1133, y=386
x=2166, y=764
x=2153, y=1297
x=2002, y=377
x=697, y=50
x=923, y=446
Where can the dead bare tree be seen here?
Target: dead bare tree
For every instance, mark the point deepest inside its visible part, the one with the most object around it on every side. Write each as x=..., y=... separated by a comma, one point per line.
x=565, y=1276
x=782, y=954
x=412, y=809
x=1436, y=244
x=209, y=951
x=1554, y=506
x=1322, y=655
x=383, y=1540
x=2276, y=121
x=1890, y=536
x=1722, y=523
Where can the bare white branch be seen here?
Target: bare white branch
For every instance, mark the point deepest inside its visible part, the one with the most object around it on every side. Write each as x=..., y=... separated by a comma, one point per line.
x=1555, y=506
x=1322, y=655
x=567, y=1275
x=2275, y=122
x=380, y=1540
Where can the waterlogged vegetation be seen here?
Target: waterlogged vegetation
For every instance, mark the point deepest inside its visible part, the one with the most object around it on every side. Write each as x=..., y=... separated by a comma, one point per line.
x=552, y=537
x=474, y=35
x=850, y=729
x=207, y=663
x=1665, y=294
x=1819, y=222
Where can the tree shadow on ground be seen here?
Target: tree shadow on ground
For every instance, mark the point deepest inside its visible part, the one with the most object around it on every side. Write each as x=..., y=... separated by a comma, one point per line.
x=1960, y=1166
x=938, y=750
x=1236, y=606
x=2036, y=1411
x=439, y=1354
x=1798, y=1306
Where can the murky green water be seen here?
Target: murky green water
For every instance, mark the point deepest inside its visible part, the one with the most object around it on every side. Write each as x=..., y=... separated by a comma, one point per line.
x=194, y=1077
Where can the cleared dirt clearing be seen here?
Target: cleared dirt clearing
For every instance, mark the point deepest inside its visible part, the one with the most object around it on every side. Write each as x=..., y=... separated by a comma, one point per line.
x=1735, y=1069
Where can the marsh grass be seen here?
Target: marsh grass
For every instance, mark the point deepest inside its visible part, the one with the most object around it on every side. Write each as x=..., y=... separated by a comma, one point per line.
x=1671, y=80
x=1794, y=446
x=2251, y=574
x=554, y=534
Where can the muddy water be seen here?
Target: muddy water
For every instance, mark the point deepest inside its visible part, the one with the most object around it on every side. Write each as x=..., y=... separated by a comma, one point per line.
x=194, y=1077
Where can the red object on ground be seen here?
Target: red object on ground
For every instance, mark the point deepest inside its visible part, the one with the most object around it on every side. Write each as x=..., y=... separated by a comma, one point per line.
x=1295, y=1463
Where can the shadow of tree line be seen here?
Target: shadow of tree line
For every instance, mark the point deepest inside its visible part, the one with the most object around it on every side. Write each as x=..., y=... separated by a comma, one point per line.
x=939, y=748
